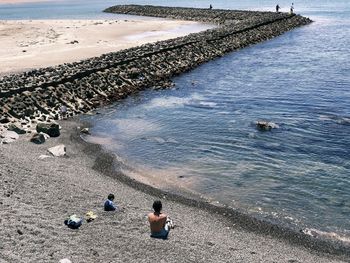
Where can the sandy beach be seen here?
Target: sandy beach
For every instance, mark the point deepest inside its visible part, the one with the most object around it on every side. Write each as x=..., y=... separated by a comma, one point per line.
x=27, y=44
x=38, y=194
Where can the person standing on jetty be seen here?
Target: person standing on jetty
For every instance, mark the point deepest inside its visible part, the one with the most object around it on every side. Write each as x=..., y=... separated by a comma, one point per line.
x=277, y=8
x=292, y=9
x=160, y=223
x=210, y=6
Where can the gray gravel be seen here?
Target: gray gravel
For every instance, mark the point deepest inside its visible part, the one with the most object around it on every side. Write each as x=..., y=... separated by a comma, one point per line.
x=37, y=195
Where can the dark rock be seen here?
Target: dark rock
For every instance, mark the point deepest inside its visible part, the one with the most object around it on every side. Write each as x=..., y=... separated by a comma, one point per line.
x=4, y=120
x=52, y=129
x=13, y=127
x=38, y=138
x=265, y=126
x=20, y=232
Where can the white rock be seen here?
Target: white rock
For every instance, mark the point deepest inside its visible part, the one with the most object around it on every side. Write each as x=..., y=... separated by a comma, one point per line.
x=46, y=136
x=6, y=141
x=85, y=130
x=10, y=134
x=59, y=150
x=44, y=156
x=65, y=260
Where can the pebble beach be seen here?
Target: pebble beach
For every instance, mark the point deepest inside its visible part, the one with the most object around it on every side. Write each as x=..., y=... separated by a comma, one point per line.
x=38, y=194
x=41, y=190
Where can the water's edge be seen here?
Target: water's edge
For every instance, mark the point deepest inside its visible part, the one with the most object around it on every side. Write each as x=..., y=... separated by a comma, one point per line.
x=106, y=163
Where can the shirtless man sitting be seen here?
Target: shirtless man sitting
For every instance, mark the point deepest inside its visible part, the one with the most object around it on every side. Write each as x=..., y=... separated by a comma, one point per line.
x=160, y=223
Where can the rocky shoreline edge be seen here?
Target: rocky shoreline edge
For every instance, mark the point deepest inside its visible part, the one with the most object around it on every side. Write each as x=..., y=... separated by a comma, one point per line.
x=39, y=95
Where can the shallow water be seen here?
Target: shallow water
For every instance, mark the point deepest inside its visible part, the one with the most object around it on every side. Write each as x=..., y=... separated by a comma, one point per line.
x=203, y=133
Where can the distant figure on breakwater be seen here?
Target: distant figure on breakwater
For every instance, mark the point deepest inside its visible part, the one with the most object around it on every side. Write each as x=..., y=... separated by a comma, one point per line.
x=160, y=223
x=63, y=111
x=277, y=8
x=210, y=7
x=109, y=205
x=292, y=8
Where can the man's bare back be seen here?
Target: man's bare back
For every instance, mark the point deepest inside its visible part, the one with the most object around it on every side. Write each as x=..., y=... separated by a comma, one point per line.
x=157, y=221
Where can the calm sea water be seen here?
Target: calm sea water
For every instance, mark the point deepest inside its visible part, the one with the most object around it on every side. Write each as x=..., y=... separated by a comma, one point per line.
x=202, y=133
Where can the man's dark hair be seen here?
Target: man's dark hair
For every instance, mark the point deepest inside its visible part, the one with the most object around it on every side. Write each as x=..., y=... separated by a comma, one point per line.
x=157, y=206
x=110, y=197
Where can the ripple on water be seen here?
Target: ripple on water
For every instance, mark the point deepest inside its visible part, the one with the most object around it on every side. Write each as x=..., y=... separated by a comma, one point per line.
x=205, y=129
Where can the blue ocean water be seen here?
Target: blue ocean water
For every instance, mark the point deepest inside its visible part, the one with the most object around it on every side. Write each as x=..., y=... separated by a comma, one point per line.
x=201, y=134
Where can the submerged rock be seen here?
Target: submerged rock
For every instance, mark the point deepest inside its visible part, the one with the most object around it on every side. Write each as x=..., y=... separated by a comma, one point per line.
x=266, y=126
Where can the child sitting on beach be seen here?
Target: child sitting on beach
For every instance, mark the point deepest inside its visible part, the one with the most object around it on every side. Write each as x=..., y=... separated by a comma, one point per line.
x=160, y=223
x=109, y=205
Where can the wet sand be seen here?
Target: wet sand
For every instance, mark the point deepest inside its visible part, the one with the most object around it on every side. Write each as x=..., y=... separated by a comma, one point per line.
x=39, y=194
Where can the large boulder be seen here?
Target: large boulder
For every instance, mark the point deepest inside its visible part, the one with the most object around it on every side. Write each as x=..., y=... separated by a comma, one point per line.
x=52, y=129
x=59, y=150
x=38, y=138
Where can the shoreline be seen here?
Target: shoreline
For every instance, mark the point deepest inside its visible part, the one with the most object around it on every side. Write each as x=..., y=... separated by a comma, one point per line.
x=107, y=163
x=169, y=185
x=87, y=161
x=43, y=43
x=50, y=189
x=91, y=83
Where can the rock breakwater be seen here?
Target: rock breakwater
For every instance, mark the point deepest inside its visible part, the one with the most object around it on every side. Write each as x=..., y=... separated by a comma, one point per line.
x=79, y=87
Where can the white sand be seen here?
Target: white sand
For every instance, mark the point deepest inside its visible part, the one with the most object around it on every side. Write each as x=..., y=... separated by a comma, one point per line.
x=26, y=44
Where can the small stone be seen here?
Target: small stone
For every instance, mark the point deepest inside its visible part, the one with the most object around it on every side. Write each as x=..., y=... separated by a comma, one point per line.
x=19, y=232
x=4, y=120
x=85, y=131
x=44, y=156
x=38, y=138
x=6, y=141
x=59, y=150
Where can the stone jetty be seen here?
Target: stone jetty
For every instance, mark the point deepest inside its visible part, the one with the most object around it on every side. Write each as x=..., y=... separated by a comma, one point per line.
x=38, y=95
